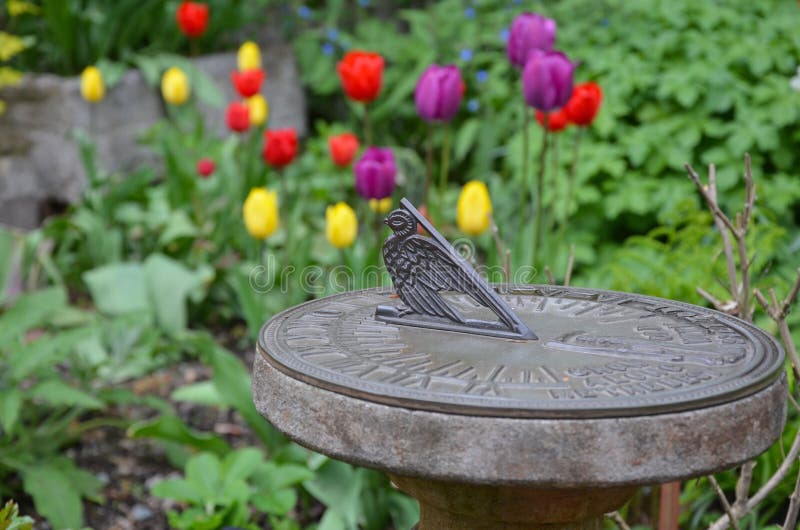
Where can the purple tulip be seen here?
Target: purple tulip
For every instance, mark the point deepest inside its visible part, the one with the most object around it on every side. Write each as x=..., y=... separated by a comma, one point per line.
x=375, y=172
x=438, y=93
x=547, y=80
x=529, y=31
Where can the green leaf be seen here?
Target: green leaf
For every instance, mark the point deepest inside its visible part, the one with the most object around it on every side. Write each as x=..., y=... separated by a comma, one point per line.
x=404, y=510
x=332, y=520
x=203, y=393
x=205, y=472
x=278, y=502
x=169, y=285
x=56, y=487
x=58, y=393
x=178, y=489
x=10, y=401
x=118, y=288
x=178, y=225
x=338, y=487
x=30, y=310
x=44, y=352
x=171, y=428
x=240, y=464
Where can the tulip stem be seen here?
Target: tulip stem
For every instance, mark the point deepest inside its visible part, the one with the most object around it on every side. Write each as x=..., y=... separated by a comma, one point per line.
x=367, y=126
x=571, y=175
x=537, y=227
x=526, y=118
x=428, y=165
x=445, y=167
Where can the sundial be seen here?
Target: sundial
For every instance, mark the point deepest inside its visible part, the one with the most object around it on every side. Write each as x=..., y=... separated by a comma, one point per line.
x=536, y=388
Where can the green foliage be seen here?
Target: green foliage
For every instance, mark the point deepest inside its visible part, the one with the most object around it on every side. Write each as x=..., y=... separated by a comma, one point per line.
x=71, y=34
x=11, y=520
x=223, y=492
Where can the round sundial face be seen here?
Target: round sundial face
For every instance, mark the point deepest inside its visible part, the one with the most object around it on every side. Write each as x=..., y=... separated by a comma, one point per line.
x=598, y=354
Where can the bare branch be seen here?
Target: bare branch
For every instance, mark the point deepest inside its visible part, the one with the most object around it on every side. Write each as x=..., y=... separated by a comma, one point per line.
x=794, y=507
x=710, y=298
x=740, y=510
x=743, y=484
x=570, y=263
x=733, y=282
x=750, y=193
x=712, y=204
x=617, y=518
x=550, y=279
x=724, y=500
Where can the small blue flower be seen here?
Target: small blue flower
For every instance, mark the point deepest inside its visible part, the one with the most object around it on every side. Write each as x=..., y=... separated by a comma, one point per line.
x=481, y=76
x=469, y=12
x=304, y=12
x=363, y=3
x=466, y=55
x=605, y=22
x=504, y=35
x=328, y=48
x=473, y=105
x=518, y=2
x=333, y=34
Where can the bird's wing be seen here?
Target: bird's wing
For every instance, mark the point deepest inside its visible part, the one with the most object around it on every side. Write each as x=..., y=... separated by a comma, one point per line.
x=437, y=269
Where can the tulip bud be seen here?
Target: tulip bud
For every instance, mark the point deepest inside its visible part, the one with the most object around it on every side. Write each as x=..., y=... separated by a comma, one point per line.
x=259, y=110
x=93, y=89
x=280, y=147
x=175, y=86
x=192, y=18
x=375, y=173
x=237, y=116
x=341, y=225
x=584, y=104
x=547, y=80
x=205, y=167
x=529, y=31
x=380, y=205
x=342, y=148
x=260, y=212
x=248, y=82
x=438, y=93
x=556, y=121
x=473, y=208
x=361, y=74
x=248, y=57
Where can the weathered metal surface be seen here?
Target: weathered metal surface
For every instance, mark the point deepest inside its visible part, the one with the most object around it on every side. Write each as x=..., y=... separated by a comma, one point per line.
x=599, y=354
x=422, y=267
x=542, y=453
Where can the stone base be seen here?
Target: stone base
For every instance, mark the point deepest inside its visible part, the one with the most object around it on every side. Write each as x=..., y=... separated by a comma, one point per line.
x=453, y=506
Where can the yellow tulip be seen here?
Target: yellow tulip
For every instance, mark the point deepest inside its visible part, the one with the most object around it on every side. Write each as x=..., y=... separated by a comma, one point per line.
x=175, y=86
x=259, y=109
x=260, y=212
x=380, y=205
x=473, y=209
x=93, y=89
x=249, y=56
x=341, y=225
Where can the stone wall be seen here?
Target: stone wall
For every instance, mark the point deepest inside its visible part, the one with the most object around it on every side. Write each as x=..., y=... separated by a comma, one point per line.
x=39, y=157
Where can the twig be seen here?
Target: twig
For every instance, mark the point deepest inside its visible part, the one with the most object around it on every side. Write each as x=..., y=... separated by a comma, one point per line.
x=724, y=500
x=739, y=510
x=712, y=204
x=794, y=507
x=549, y=273
x=726, y=239
x=710, y=298
x=743, y=484
x=617, y=518
x=570, y=263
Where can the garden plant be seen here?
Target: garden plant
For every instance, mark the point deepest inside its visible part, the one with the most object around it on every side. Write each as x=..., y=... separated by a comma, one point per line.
x=551, y=140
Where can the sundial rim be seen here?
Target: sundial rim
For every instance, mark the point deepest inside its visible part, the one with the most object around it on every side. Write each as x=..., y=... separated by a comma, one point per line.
x=335, y=344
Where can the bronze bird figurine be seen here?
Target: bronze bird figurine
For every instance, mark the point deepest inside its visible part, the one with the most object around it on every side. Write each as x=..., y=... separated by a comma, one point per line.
x=421, y=267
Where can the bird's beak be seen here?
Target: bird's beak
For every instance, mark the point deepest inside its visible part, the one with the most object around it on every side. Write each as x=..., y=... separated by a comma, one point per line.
x=386, y=222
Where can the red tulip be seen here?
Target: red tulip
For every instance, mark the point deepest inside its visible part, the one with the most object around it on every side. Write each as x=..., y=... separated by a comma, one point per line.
x=237, y=116
x=582, y=107
x=248, y=83
x=361, y=74
x=556, y=121
x=192, y=18
x=280, y=147
x=343, y=148
x=205, y=167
